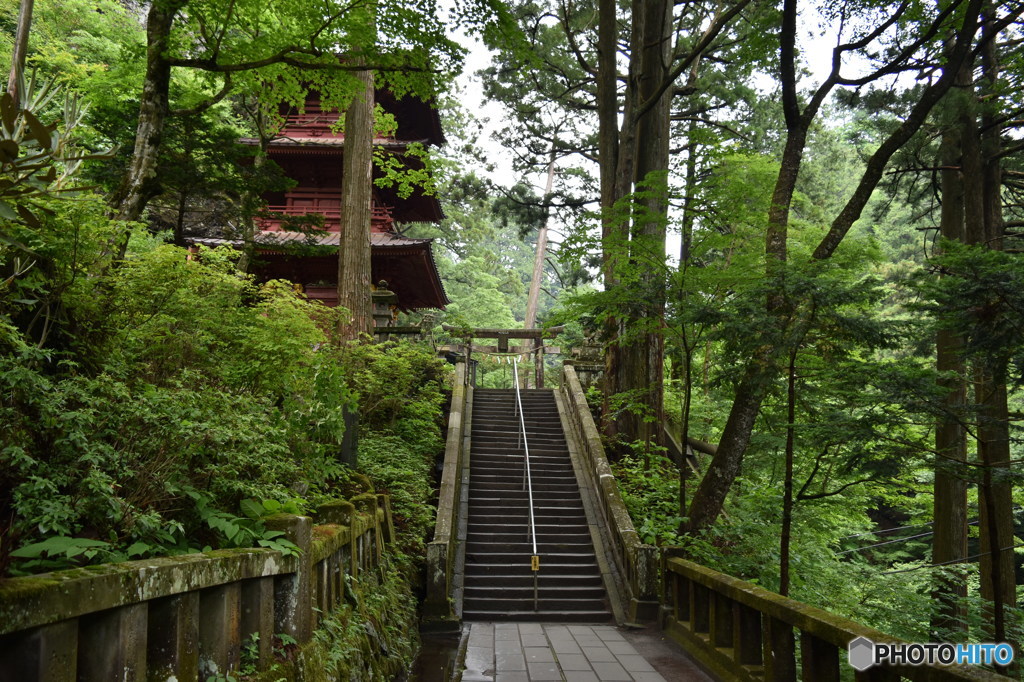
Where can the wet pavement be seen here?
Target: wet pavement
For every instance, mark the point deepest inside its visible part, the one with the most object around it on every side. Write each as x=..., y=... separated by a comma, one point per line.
x=528, y=652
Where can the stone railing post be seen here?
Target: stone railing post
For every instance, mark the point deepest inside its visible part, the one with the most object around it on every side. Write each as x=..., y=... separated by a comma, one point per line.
x=293, y=607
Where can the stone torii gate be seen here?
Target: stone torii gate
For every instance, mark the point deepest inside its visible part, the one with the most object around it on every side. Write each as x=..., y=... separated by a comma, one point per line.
x=502, y=337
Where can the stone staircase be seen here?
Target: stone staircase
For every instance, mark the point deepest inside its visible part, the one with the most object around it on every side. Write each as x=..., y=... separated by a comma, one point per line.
x=498, y=578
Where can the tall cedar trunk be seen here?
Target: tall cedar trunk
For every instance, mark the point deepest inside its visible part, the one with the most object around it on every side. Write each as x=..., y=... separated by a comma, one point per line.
x=140, y=184
x=996, y=495
x=608, y=157
x=356, y=197
x=20, y=48
x=539, y=254
x=761, y=370
x=642, y=368
x=949, y=539
x=617, y=147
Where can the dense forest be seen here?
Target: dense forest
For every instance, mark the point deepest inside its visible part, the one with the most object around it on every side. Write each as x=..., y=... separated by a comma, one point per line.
x=791, y=230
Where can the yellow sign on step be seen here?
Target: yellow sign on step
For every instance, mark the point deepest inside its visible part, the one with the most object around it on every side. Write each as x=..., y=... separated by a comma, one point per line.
x=535, y=563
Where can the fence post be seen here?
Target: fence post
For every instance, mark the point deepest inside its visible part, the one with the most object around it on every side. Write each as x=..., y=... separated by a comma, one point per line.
x=48, y=653
x=115, y=641
x=258, y=617
x=293, y=612
x=819, y=659
x=220, y=633
x=780, y=650
x=174, y=637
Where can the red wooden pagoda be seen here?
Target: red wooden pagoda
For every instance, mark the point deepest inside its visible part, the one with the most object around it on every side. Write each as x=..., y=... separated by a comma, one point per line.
x=311, y=153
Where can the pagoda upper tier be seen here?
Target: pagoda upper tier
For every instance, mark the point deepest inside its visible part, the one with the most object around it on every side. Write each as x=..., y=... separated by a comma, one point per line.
x=310, y=150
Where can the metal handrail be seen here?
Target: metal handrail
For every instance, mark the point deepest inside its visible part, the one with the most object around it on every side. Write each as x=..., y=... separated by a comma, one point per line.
x=527, y=482
x=527, y=479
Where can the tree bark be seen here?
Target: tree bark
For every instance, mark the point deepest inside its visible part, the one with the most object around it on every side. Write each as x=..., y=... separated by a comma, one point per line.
x=787, y=484
x=539, y=255
x=643, y=358
x=995, y=496
x=949, y=540
x=608, y=161
x=356, y=201
x=20, y=49
x=140, y=184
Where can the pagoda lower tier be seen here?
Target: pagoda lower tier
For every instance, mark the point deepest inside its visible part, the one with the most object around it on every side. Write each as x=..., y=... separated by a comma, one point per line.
x=311, y=261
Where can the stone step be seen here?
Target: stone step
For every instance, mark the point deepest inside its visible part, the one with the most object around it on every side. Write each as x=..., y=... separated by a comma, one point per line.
x=582, y=537
x=544, y=579
x=521, y=568
x=503, y=477
x=545, y=489
x=522, y=601
x=495, y=556
x=484, y=614
x=516, y=503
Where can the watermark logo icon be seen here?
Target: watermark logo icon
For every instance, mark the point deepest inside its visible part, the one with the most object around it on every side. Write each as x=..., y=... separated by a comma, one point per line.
x=862, y=653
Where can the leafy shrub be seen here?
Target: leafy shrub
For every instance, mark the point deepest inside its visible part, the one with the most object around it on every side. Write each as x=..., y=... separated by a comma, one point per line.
x=201, y=390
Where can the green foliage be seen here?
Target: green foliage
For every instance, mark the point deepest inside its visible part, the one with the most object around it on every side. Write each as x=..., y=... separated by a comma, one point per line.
x=979, y=297
x=203, y=390
x=401, y=399
x=373, y=635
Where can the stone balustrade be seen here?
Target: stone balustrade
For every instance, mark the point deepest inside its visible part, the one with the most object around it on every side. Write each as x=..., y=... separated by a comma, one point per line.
x=189, y=617
x=635, y=561
x=740, y=631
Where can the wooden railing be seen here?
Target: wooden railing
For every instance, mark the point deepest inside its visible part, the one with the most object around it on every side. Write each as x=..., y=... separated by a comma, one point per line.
x=381, y=218
x=188, y=617
x=740, y=631
x=439, y=605
x=635, y=561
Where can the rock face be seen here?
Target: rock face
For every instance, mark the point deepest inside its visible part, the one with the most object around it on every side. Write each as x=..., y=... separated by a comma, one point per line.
x=499, y=582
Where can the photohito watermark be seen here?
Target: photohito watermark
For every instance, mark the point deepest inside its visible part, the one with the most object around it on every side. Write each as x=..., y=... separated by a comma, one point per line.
x=863, y=653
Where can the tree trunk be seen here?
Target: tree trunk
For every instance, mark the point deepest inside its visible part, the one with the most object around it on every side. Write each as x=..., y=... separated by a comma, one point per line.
x=608, y=161
x=539, y=255
x=761, y=370
x=949, y=540
x=252, y=201
x=787, y=484
x=356, y=200
x=20, y=49
x=643, y=359
x=140, y=184
x=995, y=498
x=709, y=498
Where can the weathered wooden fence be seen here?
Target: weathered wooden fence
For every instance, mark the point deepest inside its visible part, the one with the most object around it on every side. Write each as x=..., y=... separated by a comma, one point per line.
x=439, y=603
x=635, y=561
x=740, y=631
x=188, y=617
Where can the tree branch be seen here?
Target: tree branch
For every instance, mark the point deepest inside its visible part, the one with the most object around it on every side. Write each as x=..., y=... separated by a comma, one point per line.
x=206, y=104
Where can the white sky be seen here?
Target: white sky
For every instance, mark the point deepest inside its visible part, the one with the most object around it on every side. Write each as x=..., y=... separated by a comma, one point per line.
x=815, y=43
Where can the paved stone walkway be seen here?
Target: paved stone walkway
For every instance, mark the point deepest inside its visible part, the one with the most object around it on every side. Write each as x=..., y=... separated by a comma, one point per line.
x=528, y=652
